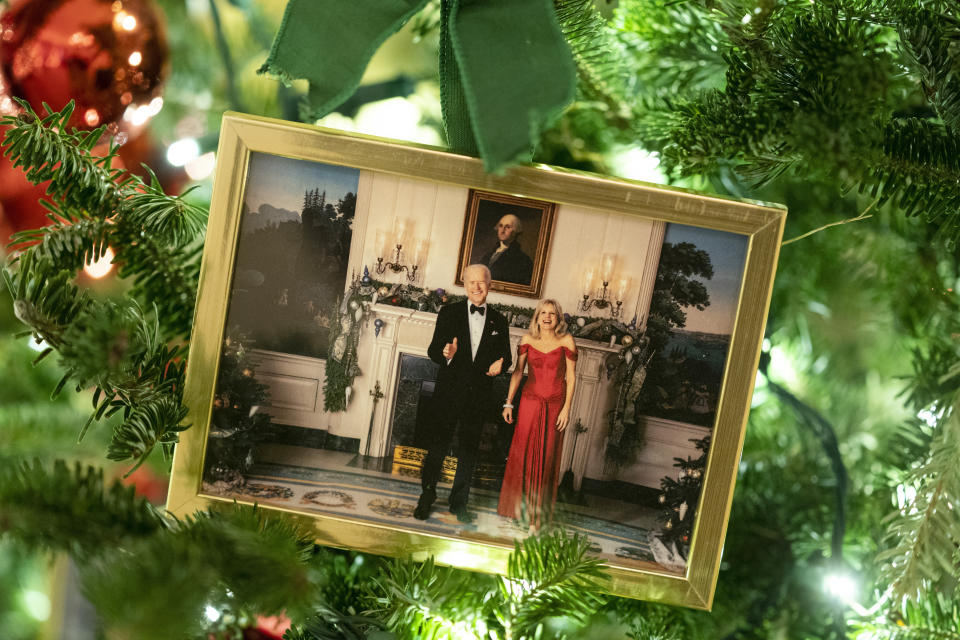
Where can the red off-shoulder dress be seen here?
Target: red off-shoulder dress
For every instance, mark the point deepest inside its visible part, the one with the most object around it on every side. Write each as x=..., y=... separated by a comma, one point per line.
x=529, y=489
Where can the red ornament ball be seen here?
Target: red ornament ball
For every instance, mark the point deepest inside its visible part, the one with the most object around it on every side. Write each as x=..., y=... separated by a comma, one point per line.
x=105, y=54
x=20, y=207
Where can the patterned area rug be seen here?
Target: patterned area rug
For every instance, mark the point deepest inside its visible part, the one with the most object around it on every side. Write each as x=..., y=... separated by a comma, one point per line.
x=390, y=500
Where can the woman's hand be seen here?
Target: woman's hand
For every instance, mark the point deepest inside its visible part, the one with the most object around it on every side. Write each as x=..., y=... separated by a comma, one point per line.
x=508, y=415
x=563, y=418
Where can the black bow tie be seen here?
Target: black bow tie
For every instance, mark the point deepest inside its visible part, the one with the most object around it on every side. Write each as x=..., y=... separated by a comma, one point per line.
x=475, y=309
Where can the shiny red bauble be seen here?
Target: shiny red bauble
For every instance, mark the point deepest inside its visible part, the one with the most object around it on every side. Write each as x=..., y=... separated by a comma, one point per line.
x=105, y=54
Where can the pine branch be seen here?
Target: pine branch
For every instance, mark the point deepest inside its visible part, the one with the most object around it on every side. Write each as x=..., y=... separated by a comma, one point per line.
x=936, y=617
x=44, y=297
x=931, y=42
x=327, y=624
x=239, y=559
x=919, y=172
x=170, y=221
x=47, y=151
x=40, y=508
x=814, y=87
x=598, y=56
x=93, y=206
x=148, y=424
x=549, y=575
x=116, y=347
x=69, y=245
x=924, y=533
x=421, y=600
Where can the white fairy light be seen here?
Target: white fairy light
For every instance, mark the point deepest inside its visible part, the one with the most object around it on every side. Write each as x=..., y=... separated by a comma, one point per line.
x=183, y=151
x=37, y=604
x=101, y=267
x=201, y=167
x=638, y=164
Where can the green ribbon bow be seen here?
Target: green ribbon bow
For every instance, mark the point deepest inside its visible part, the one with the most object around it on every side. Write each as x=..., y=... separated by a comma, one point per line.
x=505, y=68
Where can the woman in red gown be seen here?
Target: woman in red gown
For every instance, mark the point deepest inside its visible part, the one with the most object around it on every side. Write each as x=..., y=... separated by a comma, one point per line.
x=549, y=354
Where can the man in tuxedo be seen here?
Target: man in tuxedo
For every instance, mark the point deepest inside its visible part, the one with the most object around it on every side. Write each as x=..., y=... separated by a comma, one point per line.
x=507, y=261
x=471, y=343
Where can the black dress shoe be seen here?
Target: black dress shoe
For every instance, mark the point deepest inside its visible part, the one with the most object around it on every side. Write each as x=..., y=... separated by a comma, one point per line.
x=463, y=515
x=422, y=510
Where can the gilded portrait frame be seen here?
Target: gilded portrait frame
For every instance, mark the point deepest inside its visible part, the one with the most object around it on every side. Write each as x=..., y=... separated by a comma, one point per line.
x=760, y=224
x=473, y=227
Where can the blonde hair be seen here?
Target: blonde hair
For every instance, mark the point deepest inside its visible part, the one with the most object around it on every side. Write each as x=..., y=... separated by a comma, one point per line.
x=534, y=330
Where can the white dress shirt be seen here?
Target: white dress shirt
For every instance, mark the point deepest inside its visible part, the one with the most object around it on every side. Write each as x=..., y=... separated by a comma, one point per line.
x=476, y=321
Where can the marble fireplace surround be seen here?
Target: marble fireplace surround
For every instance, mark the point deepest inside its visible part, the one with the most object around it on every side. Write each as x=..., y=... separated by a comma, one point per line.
x=296, y=391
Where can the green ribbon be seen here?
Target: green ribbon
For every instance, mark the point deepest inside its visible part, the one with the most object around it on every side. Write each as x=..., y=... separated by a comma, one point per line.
x=505, y=68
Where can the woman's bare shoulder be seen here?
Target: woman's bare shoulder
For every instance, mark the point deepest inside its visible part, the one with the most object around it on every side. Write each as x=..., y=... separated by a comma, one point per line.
x=525, y=338
x=568, y=342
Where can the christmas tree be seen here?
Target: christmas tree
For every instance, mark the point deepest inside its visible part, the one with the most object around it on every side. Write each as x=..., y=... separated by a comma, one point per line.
x=844, y=519
x=237, y=424
x=680, y=498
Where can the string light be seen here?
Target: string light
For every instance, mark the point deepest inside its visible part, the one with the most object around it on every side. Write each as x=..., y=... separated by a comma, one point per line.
x=183, y=151
x=37, y=604
x=101, y=267
x=201, y=167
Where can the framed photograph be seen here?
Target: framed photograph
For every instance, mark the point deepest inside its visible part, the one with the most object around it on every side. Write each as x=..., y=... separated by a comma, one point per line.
x=511, y=236
x=350, y=359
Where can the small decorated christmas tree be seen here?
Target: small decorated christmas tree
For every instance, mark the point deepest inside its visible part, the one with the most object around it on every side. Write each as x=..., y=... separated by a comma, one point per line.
x=679, y=498
x=237, y=423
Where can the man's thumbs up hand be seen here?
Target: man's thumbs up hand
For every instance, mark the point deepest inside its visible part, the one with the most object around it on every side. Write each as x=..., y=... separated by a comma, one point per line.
x=450, y=349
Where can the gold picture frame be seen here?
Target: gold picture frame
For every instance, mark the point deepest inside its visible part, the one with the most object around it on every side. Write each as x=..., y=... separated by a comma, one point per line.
x=518, y=268
x=389, y=179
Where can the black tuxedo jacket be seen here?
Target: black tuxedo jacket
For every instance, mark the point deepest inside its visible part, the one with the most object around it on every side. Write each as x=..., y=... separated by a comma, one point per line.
x=464, y=375
x=512, y=266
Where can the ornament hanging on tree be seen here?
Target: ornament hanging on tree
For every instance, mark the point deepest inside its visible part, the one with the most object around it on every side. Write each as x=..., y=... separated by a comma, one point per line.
x=20, y=207
x=107, y=55
x=346, y=395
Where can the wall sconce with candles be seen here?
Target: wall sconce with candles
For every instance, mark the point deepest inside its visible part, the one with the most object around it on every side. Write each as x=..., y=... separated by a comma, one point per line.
x=394, y=243
x=604, y=296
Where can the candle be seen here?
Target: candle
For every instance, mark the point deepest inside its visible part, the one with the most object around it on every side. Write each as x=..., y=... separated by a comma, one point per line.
x=380, y=245
x=606, y=266
x=622, y=286
x=419, y=252
x=400, y=230
x=587, y=279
